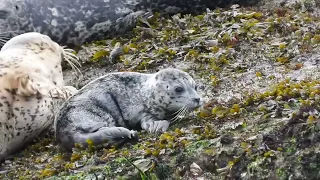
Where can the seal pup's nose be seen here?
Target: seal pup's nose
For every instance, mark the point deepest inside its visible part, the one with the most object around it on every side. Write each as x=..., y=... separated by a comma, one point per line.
x=197, y=100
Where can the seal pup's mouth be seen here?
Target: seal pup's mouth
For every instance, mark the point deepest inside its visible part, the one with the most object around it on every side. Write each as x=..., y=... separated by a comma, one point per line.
x=71, y=59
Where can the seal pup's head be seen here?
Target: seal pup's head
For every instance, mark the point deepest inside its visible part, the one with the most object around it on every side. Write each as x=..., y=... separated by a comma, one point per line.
x=175, y=92
x=41, y=44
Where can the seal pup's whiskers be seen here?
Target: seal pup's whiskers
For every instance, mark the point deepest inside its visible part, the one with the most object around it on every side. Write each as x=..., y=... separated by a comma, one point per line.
x=181, y=109
x=72, y=59
x=182, y=112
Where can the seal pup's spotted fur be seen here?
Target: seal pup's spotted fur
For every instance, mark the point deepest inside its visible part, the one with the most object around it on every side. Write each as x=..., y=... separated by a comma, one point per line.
x=31, y=86
x=109, y=109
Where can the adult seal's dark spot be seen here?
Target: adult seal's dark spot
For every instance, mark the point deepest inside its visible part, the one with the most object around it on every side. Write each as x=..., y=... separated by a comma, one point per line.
x=73, y=22
x=110, y=109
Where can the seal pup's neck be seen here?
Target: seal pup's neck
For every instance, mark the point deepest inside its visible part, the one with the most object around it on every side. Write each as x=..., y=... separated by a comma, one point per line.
x=149, y=90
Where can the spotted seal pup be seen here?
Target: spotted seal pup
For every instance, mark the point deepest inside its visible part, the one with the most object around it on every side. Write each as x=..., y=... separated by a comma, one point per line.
x=73, y=22
x=31, y=85
x=109, y=109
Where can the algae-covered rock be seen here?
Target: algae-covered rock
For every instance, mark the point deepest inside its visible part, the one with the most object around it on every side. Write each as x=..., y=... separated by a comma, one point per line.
x=257, y=69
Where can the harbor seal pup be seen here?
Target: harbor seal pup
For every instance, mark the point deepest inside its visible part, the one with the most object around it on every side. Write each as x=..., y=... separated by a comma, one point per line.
x=73, y=22
x=31, y=86
x=109, y=109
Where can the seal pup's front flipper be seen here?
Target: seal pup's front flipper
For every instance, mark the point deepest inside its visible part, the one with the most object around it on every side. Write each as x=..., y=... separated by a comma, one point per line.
x=155, y=126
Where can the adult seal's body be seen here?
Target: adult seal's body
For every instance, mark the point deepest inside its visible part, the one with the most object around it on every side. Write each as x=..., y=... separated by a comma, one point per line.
x=110, y=109
x=31, y=85
x=73, y=22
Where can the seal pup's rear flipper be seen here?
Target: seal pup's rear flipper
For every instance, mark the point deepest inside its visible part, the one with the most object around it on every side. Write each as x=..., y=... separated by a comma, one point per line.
x=105, y=136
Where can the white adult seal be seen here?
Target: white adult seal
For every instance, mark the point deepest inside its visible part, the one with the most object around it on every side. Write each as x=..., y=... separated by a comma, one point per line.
x=31, y=88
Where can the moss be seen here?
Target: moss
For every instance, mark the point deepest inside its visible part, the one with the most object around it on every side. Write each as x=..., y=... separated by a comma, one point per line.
x=98, y=55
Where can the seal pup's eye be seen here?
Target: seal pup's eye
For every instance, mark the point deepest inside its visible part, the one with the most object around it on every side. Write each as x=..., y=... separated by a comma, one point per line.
x=196, y=88
x=179, y=89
